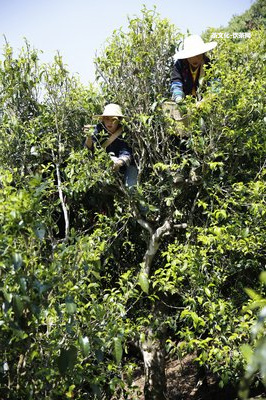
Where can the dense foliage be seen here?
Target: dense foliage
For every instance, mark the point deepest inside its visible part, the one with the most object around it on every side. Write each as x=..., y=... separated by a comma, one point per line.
x=89, y=285
x=253, y=18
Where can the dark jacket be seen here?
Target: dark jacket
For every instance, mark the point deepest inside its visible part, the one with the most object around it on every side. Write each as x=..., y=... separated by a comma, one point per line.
x=118, y=148
x=181, y=75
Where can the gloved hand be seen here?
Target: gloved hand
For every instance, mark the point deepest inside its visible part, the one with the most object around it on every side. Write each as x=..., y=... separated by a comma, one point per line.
x=178, y=99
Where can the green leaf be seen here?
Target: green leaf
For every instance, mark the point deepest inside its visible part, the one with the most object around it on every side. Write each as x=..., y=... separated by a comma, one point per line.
x=99, y=355
x=69, y=393
x=67, y=359
x=144, y=282
x=247, y=352
x=17, y=260
x=96, y=391
x=40, y=231
x=18, y=306
x=142, y=337
x=84, y=345
x=252, y=294
x=8, y=296
x=263, y=277
x=118, y=349
x=23, y=284
x=71, y=307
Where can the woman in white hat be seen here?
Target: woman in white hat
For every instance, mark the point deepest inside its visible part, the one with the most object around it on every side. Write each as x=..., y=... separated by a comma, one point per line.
x=108, y=134
x=188, y=67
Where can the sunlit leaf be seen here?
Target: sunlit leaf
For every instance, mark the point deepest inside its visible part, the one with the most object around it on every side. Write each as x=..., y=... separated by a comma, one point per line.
x=144, y=282
x=118, y=349
x=84, y=345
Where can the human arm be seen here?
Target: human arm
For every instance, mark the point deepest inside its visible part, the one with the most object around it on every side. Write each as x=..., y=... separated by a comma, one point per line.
x=176, y=87
x=124, y=159
x=117, y=162
x=120, y=153
x=125, y=154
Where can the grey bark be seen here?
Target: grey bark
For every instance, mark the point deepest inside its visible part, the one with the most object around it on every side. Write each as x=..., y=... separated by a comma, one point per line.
x=153, y=347
x=153, y=351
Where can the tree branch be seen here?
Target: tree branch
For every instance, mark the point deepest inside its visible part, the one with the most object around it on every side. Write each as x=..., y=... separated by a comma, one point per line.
x=154, y=245
x=62, y=200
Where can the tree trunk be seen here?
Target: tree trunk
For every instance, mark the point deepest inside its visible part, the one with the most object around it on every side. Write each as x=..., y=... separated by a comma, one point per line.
x=153, y=347
x=153, y=351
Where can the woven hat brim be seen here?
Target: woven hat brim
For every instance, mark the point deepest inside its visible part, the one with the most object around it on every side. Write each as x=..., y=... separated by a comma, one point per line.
x=182, y=54
x=111, y=115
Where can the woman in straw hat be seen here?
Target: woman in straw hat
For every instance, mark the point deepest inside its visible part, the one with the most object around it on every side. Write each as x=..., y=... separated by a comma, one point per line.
x=189, y=67
x=108, y=134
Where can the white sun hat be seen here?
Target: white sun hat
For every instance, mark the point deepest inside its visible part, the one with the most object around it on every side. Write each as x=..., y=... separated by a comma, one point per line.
x=193, y=46
x=111, y=110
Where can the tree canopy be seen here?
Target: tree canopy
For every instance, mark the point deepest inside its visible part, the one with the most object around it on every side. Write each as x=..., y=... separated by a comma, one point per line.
x=91, y=288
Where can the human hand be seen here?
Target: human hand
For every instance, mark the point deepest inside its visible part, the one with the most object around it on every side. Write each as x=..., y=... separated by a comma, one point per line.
x=88, y=142
x=117, y=165
x=178, y=99
x=88, y=128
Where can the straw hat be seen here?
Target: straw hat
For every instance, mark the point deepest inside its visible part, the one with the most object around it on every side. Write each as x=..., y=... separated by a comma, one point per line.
x=111, y=110
x=193, y=46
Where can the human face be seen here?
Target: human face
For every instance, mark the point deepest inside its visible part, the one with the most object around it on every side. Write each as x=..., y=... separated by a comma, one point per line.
x=111, y=123
x=196, y=61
